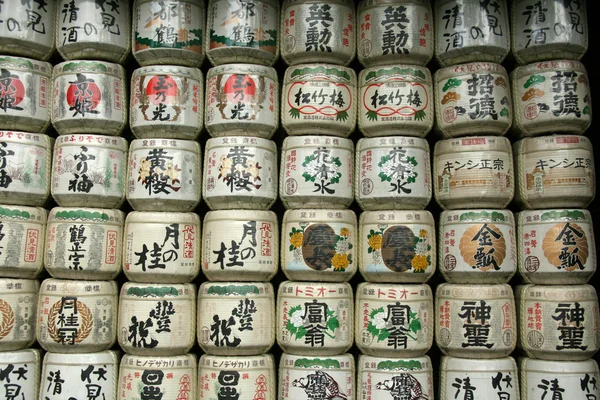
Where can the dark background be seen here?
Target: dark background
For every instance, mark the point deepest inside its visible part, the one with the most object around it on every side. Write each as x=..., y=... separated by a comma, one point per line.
x=593, y=7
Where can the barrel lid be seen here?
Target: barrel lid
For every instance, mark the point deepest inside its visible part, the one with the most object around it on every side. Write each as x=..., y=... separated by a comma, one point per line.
x=247, y=69
x=400, y=217
x=32, y=139
x=239, y=215
x=551, y=143
x=26, y=64
x=23, y=214
x=12, y=285
x=317, y=362
x=226, y=362
x=225, y=289
x=154, y=217
x=366, y=4
x=230, y=141
x=184, y=145
x=320, y=215
x=476, y=215
x=113, y=142
x=333, y=142
x=477, y=365
x=176, y=70
x=543, y=66
x=408, y=73
x=552, y=216
x=103, y=357
x=151, y=291
x=21, y=356
x=99, y=215
x=288, y=3
x=468, y=69
x=527, y=364
x=472, y=143
x=556, y=292
x=469, y=291
x=337, y=287
x=131, y=361
x=392, y=365
x=99, y=67
x=364, y=144
x=320, y=72
x=409, y=292
x=64, y=287
x=199, y=3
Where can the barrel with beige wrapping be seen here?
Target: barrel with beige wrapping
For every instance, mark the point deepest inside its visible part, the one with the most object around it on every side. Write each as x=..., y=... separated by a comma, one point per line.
x=300, y=307
x=329, y=376
x=84, y=243
x=554, y=172
x=236, y=319
x=572, y=379
x=254, y=233
x=90, y=307
x=18, y=309
x=392, y=173
x=395, y=100
x=475, y=321
x=316, y=172
x=556, y=247
x=397, y=246
x=558, y=322
x=477, y=246
x=473, y=172
x=162, y=247
x=393, y=320
x=319, y=245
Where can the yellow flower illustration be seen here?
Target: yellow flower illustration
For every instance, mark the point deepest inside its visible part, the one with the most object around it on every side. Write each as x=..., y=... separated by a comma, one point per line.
x=419, y=263
x=296, y=240
x=345, y=232
x=423, y=233
x=340, y=262
x=375, y=242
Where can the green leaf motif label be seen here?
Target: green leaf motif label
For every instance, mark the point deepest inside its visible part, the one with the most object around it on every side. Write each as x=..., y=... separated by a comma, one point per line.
x=153, y=291
x=322, y=170
x=241, y=290
x=313, y=323
x=399, y=170
x=396, y=323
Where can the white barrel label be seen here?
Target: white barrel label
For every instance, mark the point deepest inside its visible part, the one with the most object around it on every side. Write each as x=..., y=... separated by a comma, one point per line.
x=314, y=378
x=19, y=371
x=482, y=385
x=23, y=166
x=232, y=377
x=18, y=313
x=562, y=385
x=385, y=379
x=32, y=23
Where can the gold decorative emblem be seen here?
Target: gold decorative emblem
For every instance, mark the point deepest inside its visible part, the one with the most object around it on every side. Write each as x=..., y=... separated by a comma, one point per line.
x=483, y=247
x=69, y=321
x=8, y=319
x=566, y=247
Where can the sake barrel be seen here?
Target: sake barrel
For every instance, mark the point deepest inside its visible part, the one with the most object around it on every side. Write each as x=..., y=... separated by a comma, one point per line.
x=242, y=100
x=551, y=97
x=316, y=377
x=556, y=247
x=395, y=100
x=166, y=102
x=162, y=247
x=319, y=245
x=475, y=321
x=392, y=32
x=393, y=320
x=25, y=95
x=89, y=169
x=317, y=32
x=315, y=319
x=554, y=171
x=170, y=33
x=88, y=30
x=558, y=322
x=77, y=316
x=237, y=375
x=472, y=98
x=253, y=38
x=467, y=30
x=571, y=379
x=22, y=368
x=240, y=173
x=550, y=31
x=164, y=174
x=168, y=377
x=319, y=99
x=316, y=172
x=473, y=172
x=477, y=246
x=26, y=161
x=22, y=234
x=89, y=97
x=236, y=319
x=76, y=375
x=18, y=306
x=479, y=379
x=392, y=172
x=157, y=319
x=28, y=32
x=381, y=377
x=397, y=246
x=253, y=253
x=84, y=243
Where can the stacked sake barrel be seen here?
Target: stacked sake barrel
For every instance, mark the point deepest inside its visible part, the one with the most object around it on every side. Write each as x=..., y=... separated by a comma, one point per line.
x=394, y=308
x=473, y=180
x=161, y=248
x=555, y=181
x=240, y=242
x=315, y=310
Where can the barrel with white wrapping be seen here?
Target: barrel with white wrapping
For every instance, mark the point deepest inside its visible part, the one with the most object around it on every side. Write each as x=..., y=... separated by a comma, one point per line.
x=18, y=309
